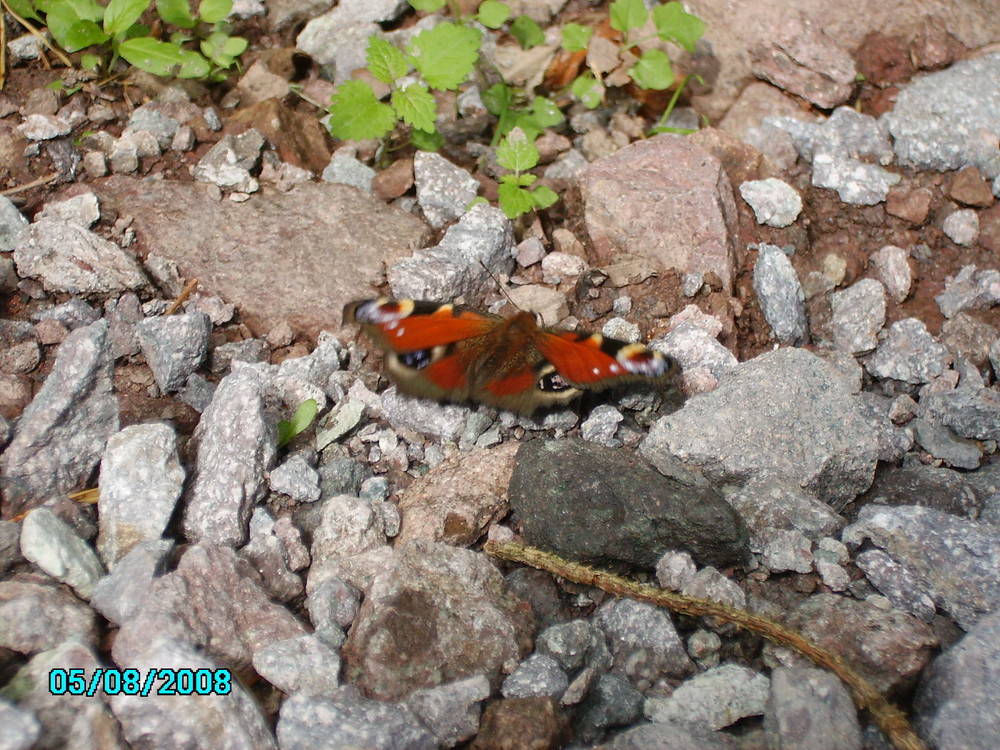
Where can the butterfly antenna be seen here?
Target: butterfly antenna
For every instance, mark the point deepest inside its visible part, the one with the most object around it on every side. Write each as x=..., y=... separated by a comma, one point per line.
x=500, y=287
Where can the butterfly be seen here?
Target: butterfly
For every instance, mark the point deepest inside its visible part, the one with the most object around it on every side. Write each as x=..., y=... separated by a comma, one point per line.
x=454, y=353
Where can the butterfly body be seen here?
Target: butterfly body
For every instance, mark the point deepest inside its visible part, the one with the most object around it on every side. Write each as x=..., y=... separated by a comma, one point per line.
x=453, y=353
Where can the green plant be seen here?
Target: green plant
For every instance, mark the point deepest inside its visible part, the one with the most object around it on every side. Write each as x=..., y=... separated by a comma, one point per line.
x=652, y=68
x=531, y=117
x=518, y=154
x=301, y=419
x=78, y=24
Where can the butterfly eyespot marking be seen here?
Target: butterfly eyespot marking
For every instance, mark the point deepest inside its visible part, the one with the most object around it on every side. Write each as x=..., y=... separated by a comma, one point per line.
x=550, y=381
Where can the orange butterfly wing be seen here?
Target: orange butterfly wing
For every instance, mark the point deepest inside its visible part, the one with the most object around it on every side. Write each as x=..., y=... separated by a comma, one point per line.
x=594, y=362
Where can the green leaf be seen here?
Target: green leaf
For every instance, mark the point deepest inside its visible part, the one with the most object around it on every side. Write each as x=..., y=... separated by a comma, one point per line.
x=628, y=14
x=525, y=180
x=223, y=49
x=356, y=114
x=493, y=14
x=301, y=419
x=426, y=141
x=497, y=98
x=25, y=9
x=176, y=13
x=85, y=10
x=121, y=14
x=546, y=112
x=163, y=59
x=90, y=62
x=415, y=106
x=575, y=37
x=446, y=54
x=514, y=199
x=80, y=35
x=516, y=152
x=527, y=32
x=544, y=196
x=429, y=5
x=677, y=25
x=653, y=71
x=588, y=90
x=385, y=61
x=213, y=11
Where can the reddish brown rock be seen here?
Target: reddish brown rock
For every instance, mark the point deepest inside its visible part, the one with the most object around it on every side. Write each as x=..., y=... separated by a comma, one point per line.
x=969, y=188
x=521, y=724
x=668, y=200
x=912, y=205
x=395, y=180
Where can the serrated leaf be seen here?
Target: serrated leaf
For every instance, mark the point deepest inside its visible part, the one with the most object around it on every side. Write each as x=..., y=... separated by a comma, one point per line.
x=653, y=71
x=516, y=152
x=588, y=90
x=428, y=5
x=677, y=25
x=356, y=114
x=546, y=112
x=176, y=13
x=446, y=54
x=544, y=196
x=526, y=180
x=527, y=32
x=385, y=61
x=163, y=59
x=493, y=14
x=415, y=106
x=514, y=199
x=426, y=141
x=213, y=11
x=628, y=14
x=25, y=9
x=122, y=14
x=575, y=37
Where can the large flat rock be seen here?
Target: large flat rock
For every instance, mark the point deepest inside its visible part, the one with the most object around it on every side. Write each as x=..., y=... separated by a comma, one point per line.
x=297, y=256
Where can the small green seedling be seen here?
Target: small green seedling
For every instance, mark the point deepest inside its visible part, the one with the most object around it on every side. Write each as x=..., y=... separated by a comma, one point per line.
x=301, y=419
x=78, y=24
x=652, y=69
x=532, y=118
x=519, y=154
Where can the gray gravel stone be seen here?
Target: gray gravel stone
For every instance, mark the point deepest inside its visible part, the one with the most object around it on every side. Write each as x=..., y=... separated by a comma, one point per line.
x=72, y=313
x=790, y=392
x=272, y=558
x=348, y=170
x=230, y=720
x=296, y=478
x=248, y=350
x=574, y=645
x=969, y=290
x=538, y=675
x=62, y=433
x=956, y=561
x=787, y=550
x=945, y=445
x=12, y=225
x=842, y=150
x=44, y=127
x=19, y=729
x=68, y=258
x=236, y=447
x=153, y=118
x=955, y=704
x=713, y=699
x=229, y=162
x=82, y=210
x=601, y=425
x=858, y=316
x=643, y=641
x=961, y=226
x=10, y=545
x=894, y=271
x=26, y=605
x=141, y=482
x=611, y=702
x=52, y=545
x=452, y=268
x=780, y=293
x=333, y=602
x=810, y=709
x=937, y=119
x=909, y=353
x=774, y=202
x=444, y=190
x=174, y=346
x=451, y=711
x=896, y=583
x=119, y=594
x=347, y=719
x=301, y=664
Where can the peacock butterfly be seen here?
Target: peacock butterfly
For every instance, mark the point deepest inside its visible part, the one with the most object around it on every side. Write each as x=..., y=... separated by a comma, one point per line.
x=454, y=353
